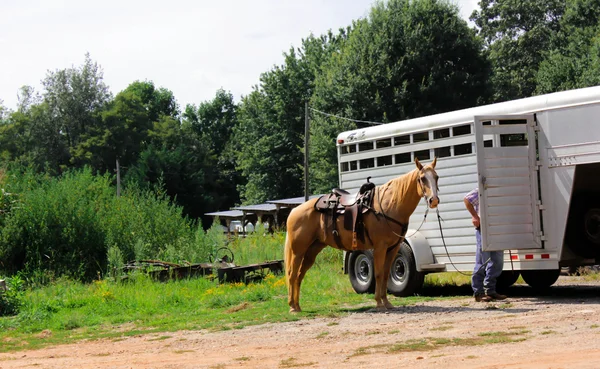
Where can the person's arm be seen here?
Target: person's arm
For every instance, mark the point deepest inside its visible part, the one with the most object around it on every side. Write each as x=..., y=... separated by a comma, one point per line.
x=474, y=215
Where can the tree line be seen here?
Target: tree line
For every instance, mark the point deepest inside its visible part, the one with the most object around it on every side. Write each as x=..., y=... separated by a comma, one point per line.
x=407, y=58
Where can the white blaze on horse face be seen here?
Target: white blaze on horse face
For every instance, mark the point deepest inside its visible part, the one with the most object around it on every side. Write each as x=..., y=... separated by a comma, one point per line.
x=430, y=182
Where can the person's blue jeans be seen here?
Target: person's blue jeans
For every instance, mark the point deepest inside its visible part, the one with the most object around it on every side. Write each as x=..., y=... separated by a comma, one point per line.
x=484, y=278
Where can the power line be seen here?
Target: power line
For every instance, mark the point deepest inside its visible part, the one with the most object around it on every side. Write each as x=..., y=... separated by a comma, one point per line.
x=351, y=120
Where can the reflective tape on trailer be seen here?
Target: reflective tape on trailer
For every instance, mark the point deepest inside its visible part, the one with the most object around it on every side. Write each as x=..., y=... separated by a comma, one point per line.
x=530, y=256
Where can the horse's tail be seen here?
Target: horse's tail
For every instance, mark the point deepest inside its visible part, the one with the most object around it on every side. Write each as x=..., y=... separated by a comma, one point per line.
x=287, y=256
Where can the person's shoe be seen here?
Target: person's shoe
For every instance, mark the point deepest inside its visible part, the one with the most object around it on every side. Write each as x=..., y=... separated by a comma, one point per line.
x=482, y=298
x=496, y=296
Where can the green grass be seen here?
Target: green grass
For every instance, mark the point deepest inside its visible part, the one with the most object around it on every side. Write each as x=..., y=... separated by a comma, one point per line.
x=68, y=311
x=447, y=279
x=442, y=328
x=74, y=311
x=434, y=343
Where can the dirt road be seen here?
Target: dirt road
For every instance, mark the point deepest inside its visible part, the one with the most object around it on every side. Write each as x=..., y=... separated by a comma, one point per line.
x=557, y=329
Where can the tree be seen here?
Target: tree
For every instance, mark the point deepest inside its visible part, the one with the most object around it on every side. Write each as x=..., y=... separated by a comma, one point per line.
x=574, y=61
x=270, y=132
x=213, y=122
x=407, y=59
x=74, y=97
x=122, y=129
x=158, y=101
x=516, y=34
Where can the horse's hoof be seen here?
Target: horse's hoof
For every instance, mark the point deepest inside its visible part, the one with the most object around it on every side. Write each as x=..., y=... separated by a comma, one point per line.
x=294, y=310
x=381, y=308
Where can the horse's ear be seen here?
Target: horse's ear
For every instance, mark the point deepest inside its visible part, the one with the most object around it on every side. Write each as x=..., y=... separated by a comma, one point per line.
x=419, y=165
x=433, y=162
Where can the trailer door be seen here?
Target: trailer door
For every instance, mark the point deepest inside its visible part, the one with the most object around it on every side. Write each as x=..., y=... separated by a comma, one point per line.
x=508, y=182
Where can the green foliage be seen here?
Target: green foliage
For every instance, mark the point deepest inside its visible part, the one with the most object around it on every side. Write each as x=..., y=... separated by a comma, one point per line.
x=270, y=132
x=158, y=102
x=114, y=257
x=574, y=61
x=517, y=34
x=65, y=225
x=407, y=59
x=12, y=299
x=74, y=96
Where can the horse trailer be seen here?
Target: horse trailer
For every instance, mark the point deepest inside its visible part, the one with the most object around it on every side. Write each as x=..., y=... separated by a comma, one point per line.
x=536, y=162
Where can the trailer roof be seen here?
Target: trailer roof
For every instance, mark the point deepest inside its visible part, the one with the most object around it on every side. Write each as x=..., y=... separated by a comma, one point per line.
x=522, y=106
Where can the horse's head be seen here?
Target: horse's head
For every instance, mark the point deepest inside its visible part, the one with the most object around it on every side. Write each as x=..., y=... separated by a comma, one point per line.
x=428, y=183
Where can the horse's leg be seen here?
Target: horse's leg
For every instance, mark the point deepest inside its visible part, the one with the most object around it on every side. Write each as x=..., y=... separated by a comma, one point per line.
x=390, y=255
x=379, y=256
x=307, y=262
x=293, y=262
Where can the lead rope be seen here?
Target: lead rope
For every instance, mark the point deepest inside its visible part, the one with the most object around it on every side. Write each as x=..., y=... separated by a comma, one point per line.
x=426, y=209
x=448, y=254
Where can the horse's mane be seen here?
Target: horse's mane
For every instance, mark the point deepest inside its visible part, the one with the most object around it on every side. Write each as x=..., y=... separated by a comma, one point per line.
x=399, y=186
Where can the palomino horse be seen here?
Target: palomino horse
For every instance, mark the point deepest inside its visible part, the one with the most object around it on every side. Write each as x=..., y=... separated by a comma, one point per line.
x=394, y=202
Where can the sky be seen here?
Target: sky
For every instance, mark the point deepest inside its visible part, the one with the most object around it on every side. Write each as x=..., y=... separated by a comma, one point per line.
x=191, y=47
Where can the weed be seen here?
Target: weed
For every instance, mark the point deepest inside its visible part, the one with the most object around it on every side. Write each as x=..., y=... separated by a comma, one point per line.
x=292, y=362
x=161, y=338
x=322, y=334
x=442, y=328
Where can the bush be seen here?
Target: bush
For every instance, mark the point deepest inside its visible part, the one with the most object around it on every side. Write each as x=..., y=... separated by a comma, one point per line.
x=65, y=225
x=12, y=299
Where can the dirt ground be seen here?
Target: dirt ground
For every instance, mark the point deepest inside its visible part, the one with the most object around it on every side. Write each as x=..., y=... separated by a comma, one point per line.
x=556, y=329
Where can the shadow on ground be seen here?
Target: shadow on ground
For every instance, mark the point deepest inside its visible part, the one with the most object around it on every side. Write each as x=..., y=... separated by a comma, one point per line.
x=576, y=294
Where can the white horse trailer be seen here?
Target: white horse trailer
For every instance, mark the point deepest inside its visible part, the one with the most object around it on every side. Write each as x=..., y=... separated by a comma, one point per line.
x=536, y=162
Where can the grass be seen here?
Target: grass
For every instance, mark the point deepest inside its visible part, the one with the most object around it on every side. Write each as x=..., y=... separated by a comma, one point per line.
x=434, y=343
x=447, y=279
x=68, y=311
x=71, y=311
x=442, y=328
x=292, y=362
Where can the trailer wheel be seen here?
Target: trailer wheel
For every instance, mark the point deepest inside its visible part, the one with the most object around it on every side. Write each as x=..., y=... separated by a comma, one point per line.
x=583, y=230
x=404, y=278
x=361, y=271
x=507, y=279
x=540, y=278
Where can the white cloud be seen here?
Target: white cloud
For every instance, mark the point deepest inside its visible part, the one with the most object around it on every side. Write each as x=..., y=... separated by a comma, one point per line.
x=190, y=47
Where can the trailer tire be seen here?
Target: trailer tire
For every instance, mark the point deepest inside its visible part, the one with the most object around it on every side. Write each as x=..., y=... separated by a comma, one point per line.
x=583, y=230
x=540, y=279
x=507, y=279
x=361, y=271
x=404, y=278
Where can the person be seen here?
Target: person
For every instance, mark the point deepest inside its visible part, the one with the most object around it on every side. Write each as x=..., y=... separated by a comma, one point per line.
x=488, y=264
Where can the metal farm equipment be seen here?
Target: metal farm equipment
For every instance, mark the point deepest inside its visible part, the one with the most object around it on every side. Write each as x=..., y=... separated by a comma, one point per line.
x=223, y=267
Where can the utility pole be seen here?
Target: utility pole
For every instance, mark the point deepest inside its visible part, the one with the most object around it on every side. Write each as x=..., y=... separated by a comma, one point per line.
x=118, y=179
x=306, y=136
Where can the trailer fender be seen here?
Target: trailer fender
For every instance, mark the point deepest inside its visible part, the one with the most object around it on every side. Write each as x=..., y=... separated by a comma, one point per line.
x=422, y=251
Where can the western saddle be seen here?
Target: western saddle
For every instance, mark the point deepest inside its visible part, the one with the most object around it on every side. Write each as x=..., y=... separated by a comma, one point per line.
x=351, y=206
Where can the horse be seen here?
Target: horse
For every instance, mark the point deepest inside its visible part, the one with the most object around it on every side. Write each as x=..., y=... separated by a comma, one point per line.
x=309, y=230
